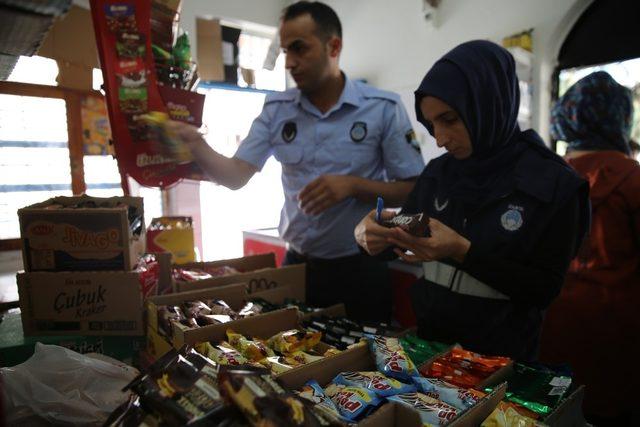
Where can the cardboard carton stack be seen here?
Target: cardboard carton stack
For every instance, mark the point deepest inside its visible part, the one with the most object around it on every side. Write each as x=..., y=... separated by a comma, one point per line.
x=79, y=254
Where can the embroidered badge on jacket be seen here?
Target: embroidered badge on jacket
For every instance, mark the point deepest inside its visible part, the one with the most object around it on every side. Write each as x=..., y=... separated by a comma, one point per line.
x=511, y=220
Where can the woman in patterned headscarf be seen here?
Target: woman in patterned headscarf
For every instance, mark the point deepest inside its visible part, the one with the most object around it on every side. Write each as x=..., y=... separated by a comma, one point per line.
x=594, y=324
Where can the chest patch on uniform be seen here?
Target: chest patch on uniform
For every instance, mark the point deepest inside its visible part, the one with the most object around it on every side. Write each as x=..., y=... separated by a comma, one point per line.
x=440, y=206
x=358, y=131
x=289, y=131
x=511, y=220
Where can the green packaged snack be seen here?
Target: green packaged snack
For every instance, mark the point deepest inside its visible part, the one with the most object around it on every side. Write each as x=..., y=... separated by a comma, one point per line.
x=182, y=52
x=420, y=350
x=538, y=390
x=132, y=100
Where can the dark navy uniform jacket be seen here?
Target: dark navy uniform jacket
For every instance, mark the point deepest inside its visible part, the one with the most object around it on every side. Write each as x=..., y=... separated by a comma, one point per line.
x=523, y=236
x=523, y=209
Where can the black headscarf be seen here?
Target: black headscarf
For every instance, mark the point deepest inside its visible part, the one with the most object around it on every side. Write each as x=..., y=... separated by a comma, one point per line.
x=478, y=80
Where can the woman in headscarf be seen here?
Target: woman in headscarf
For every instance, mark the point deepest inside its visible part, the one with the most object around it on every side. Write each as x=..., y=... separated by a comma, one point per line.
x=506, y=214
x=594, y=324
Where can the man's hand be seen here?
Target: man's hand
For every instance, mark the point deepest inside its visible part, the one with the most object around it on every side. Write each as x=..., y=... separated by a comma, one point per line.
x=187, y=134
x=325, y=192
x=443, y=243
x=372, y=236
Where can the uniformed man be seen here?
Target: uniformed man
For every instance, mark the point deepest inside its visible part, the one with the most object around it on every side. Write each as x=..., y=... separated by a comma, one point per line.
x=341, y=144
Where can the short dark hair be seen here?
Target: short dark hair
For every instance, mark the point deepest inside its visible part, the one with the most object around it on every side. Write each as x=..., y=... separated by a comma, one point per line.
x=326, y=19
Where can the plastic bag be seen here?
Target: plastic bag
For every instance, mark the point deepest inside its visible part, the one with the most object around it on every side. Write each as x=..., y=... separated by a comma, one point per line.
x=59, y=385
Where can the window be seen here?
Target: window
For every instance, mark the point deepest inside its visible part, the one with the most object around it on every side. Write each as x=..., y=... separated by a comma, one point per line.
x=34, y=155
x=626, y=73
x=228, y=115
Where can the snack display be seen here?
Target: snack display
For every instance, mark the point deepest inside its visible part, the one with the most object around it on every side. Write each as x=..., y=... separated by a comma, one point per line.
x=313, y=392
x=417, y=225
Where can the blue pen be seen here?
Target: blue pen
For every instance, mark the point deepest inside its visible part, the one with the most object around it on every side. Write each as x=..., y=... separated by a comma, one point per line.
x=379, y=208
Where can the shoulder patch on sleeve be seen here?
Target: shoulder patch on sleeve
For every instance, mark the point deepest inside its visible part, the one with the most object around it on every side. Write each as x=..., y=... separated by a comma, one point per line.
x=286, y=96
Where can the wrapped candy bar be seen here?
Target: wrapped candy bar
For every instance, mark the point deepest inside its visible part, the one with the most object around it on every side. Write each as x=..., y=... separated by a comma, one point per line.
x=263, y=401
x=374, y=381
x=212, y=319
x=167, y=314
x=391, y=359
x=223, y=270
x=189, y=275
x=417, y=225
x=353, y=403
x=451, y=374
x=170, y=142
x=250, y=309
x=223, y=354
x=459, y=398
x=298, y=358
x=276, y=364
x=195, y=308
x=220, y=307
x=181, y=389
x=432, y=412
x=313, y=392
x=294, y=340
x=253, y=350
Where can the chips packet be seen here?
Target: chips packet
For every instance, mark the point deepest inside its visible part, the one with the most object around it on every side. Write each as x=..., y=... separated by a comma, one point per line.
x=381, y=385
x=391, y=359
x=459, y=398
x=353, y=403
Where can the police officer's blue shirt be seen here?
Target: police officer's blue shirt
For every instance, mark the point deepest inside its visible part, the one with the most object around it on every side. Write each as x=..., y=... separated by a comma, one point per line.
x=366, y=134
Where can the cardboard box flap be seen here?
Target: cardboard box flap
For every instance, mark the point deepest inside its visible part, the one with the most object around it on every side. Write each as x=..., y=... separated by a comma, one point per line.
x=357, y=358
x=243, y=264
x=258, y=280
x=569, y=411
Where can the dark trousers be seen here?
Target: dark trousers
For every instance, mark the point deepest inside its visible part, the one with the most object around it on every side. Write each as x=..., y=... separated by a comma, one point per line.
x=361, y=282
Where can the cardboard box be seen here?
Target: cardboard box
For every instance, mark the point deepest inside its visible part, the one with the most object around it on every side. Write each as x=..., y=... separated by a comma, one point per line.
x=157, y=345
x=178, y=241
x=360, y=358
x=209, y=49
x=569, y=412
x=15, y=348
x=279, y=294
x=91, y=239
x=258, y=271
x=81, y=303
